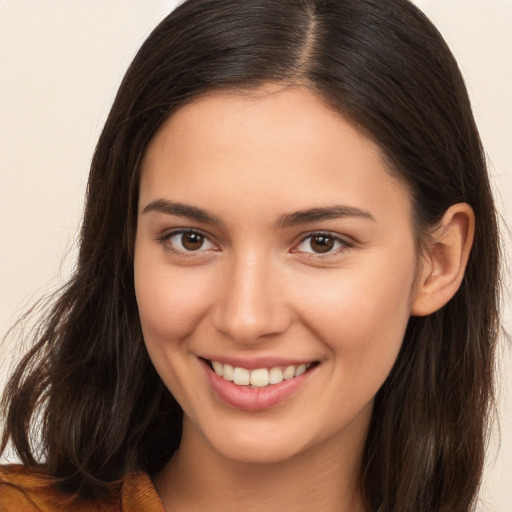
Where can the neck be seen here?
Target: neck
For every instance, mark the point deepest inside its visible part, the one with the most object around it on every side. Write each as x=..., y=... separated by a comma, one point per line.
x=322, y=478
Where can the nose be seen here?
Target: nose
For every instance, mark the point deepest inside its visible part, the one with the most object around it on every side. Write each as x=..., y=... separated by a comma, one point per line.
x=252, y=306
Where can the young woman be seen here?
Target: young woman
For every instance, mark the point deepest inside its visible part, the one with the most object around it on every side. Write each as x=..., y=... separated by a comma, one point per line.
x=286, y=292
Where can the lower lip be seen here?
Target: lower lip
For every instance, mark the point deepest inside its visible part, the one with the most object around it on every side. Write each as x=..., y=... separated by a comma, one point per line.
x=254, y=399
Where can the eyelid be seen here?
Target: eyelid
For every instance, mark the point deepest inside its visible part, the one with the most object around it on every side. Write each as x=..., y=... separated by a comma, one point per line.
x=344, y=241
x=167, y=235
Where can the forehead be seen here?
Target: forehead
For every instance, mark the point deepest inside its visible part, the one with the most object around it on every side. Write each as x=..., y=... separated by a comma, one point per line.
x=275, y=142
x=261, y=116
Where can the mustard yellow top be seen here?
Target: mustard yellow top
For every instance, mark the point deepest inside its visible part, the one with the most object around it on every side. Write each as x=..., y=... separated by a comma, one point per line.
x=23, y=490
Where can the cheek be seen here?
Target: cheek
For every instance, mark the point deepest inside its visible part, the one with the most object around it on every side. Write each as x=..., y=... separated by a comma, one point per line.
x=171, y=304
x=362, y=313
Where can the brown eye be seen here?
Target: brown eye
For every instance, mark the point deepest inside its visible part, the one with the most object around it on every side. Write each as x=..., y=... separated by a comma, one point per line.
x=188, y=241
x=321, y=243
x=192, y=241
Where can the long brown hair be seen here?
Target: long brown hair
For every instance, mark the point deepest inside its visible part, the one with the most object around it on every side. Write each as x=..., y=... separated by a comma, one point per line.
x=384, y=66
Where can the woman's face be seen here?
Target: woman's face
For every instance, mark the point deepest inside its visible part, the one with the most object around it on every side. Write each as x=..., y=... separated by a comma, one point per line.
x=274, y=246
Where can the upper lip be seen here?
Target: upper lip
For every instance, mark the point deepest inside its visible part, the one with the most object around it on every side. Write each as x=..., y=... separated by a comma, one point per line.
x=253, y=363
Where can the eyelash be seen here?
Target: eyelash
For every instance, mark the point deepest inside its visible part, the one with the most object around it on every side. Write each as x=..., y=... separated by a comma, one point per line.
x=344, y=244
x=165, y=238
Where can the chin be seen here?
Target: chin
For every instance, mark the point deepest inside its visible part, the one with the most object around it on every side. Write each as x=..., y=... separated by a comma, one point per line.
x=258, y=451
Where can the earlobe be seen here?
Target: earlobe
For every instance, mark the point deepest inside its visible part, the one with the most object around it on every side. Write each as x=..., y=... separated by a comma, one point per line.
x=445, y=259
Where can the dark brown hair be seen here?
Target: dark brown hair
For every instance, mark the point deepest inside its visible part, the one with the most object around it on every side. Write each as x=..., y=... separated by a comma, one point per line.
x=381, y=64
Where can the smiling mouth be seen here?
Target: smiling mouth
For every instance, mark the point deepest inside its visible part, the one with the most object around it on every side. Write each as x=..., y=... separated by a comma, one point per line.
x=260, y=377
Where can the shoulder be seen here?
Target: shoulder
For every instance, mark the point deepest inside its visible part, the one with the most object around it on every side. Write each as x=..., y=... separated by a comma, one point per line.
x=23, y=489
x=31, y=490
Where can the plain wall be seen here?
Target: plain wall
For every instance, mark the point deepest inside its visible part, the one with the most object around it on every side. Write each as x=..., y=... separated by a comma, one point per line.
x=60, y=64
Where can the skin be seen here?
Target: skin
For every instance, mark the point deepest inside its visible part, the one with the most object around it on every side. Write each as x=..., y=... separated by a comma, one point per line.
x=258, y=289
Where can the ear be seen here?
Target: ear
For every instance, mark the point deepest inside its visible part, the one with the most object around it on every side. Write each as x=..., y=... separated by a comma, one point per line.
x=444, y=260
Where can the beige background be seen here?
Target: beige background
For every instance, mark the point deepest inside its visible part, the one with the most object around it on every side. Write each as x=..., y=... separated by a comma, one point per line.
x=60, y=64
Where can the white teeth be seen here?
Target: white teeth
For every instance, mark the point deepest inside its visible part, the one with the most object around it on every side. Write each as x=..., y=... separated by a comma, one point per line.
x=300, y=370
x=260, y=377
x=275, y=376
x=217, y=367
x=289, y=373
x=227, y=372
x=241, y=376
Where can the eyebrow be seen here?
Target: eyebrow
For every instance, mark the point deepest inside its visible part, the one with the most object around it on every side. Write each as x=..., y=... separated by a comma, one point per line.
x=319, y=214
x=181, y=210
x=287, y=220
